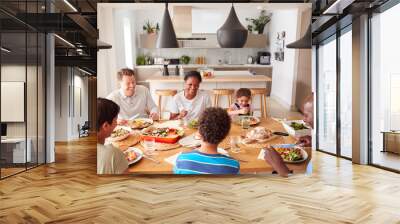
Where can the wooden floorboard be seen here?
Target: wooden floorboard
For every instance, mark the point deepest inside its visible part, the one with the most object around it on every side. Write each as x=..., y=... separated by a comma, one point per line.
x=69, y=191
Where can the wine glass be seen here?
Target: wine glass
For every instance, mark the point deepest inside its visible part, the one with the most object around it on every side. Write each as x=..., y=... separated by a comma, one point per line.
x=234, y=142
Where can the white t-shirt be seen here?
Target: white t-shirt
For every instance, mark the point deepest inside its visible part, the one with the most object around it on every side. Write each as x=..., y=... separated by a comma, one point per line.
x=194, y=107
x=138, y=105
x=110, y=160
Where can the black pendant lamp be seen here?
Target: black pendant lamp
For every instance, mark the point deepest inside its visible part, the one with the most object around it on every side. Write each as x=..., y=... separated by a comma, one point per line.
x=167, y=37
x=304, y=42
x=232, y=33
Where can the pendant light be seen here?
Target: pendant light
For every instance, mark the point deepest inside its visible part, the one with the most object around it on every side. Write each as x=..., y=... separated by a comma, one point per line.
x=304, y=42
x=232, y=33
x=167, y=36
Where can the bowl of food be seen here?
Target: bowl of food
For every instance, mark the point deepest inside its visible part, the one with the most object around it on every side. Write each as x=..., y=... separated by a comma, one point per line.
x=120, y=133
x=296, y=128
x=193, y=124
x=253, y=120
x=258, y=135
x=140, y=123
x=162, y=134
x=291, y=153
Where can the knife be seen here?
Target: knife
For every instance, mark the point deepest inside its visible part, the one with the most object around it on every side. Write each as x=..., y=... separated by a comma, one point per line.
x=280, y=133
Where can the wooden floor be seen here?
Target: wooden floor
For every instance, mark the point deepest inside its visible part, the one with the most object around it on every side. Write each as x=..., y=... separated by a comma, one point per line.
x=69, y=191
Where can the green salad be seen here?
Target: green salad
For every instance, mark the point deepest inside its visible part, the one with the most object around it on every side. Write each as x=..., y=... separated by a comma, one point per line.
x=298, y=126
x=193, y=123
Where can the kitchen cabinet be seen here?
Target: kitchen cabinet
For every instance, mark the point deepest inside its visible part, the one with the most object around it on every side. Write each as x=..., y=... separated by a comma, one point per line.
x=208, y=40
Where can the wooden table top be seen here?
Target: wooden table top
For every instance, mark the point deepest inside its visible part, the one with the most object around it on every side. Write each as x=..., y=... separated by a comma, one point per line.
x=252, y=164
x=222, y=78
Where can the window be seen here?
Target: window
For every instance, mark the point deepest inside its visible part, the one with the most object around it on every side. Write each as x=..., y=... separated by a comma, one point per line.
x=385, y=89
x=326, y=132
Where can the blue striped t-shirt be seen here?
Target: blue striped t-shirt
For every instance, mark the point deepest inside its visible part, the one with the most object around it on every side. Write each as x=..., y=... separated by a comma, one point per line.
x=196, y=162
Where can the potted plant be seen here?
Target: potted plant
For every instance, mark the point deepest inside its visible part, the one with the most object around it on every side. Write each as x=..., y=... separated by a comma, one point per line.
x=150, y=28
x=259, y=23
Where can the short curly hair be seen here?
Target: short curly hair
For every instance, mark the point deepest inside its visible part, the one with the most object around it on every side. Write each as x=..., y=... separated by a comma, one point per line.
x=214, y=125
x=243, y=92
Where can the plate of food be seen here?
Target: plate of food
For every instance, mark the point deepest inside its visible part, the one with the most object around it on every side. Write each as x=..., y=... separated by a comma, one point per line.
x=140, y=123
x=253, y=120
x=291, y=153
x=163, y=134
x=120, y=133
x=258, y=137
x=133, y=155
x=296, y=128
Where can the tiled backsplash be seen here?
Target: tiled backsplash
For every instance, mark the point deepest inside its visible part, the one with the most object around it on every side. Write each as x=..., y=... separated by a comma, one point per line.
x=237, y=55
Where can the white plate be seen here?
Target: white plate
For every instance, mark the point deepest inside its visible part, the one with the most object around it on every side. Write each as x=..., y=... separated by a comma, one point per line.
x=190, y=141
x=119, y=138
x=139, y=154
x=303, y=152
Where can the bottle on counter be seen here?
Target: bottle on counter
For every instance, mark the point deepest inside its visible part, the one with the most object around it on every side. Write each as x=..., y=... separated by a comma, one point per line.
x=176, y=70
x=181, y=71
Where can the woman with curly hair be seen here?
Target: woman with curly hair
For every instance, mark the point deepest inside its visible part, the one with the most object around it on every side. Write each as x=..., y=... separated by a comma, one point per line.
x=214, y=126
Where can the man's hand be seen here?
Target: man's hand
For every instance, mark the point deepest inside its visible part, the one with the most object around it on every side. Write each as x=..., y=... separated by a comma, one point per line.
x=154, y=116
x=306, y=141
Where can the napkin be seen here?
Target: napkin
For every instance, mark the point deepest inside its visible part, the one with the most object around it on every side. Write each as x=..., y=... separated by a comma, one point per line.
x=172, y=159
x=261, y=154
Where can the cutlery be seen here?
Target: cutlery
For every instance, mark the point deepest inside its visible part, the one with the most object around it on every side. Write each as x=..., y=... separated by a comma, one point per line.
x=280, y=133
x=149, y=158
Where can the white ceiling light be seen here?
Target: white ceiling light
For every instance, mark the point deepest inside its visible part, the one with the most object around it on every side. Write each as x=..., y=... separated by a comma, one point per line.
x=5, y=50
x=70, y=5
x=65, y=41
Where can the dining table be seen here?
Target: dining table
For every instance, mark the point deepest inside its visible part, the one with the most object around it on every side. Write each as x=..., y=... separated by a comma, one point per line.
x=248, y=157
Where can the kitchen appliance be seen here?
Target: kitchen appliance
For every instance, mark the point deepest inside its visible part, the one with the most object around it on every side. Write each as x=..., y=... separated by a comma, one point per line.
x=250, y=60
x=174, y=61
x=158, y=61
x=264, y=58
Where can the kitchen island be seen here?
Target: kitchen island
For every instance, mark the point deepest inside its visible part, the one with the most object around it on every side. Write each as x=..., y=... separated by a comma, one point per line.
x=159, y=82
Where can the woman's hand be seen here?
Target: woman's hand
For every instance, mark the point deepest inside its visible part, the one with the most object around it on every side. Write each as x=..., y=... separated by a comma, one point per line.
x=182, y=114
x=154, y=116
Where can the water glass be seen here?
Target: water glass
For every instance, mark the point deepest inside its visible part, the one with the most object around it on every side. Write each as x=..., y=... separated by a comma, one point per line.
x=245, y=122
x=234, y=142
x=150, y=146
x=165, y=115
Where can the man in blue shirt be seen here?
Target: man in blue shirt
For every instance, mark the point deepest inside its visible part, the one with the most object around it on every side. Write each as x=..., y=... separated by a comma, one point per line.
x=214, y=126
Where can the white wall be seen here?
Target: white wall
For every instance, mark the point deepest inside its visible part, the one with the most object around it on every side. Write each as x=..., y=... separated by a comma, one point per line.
x=67, y=114
x=284, y=72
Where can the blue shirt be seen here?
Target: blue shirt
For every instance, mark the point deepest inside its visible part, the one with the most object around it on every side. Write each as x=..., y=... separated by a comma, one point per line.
x=196, y=162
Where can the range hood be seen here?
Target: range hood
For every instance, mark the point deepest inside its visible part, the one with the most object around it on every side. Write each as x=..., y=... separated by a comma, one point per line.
x=182, y=20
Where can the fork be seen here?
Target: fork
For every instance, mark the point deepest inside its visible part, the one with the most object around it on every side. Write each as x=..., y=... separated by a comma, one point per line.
x=149, y=158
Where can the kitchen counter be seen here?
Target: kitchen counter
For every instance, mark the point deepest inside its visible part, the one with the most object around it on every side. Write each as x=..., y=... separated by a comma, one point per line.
x=209, y=65
x=214, y=79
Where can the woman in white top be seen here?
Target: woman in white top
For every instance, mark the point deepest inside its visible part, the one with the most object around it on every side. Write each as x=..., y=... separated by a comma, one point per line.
x=190, y=102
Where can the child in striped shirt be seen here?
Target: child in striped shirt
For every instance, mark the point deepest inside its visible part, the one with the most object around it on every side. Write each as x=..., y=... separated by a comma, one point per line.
x=214, y=126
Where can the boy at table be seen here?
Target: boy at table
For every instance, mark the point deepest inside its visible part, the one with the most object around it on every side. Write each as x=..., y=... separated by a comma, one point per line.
x=214, y=126
x=110, y=160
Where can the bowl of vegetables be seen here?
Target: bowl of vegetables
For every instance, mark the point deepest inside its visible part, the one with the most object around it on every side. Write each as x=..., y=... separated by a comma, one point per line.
x=291, y=153
x=296, y=128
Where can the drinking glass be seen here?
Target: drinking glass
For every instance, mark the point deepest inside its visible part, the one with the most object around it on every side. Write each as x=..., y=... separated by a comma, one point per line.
x=165, y=115
x=150, y=146
x=234, y=141
x=245, y=122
